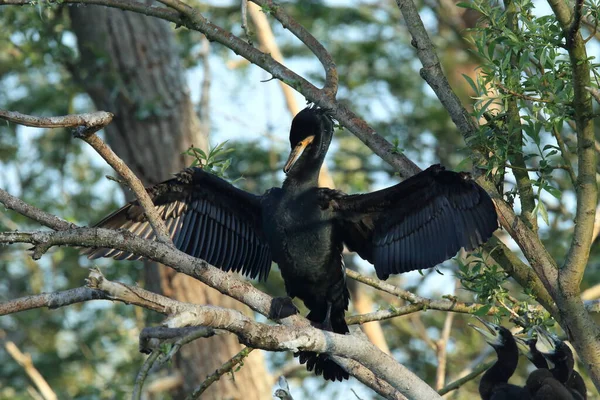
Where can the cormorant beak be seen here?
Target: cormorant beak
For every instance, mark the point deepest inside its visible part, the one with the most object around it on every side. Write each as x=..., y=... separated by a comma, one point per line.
x=297, y=152
x=545, y=342
x=490, y=334
x=523, y=346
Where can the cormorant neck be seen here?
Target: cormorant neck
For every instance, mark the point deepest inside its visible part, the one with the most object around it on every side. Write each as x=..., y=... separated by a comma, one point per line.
x=305, y=171
x=501, y=371
x=563, y=363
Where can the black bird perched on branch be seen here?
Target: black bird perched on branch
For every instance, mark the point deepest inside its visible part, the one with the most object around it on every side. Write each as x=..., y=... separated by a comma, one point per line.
x=541, y=383
x=559, y=354
x=494, y=383
x=415, y=224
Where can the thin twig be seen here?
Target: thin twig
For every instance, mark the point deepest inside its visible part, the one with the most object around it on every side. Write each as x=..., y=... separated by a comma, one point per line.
x=24, y=360
x=425, y=303
x=521, y=95
x=51, y=300
x=331, y=76
x=594, y=92
x=442, y=346
x=245, y=27
x=225, y=368
x=29, y=211
x=461, y=381
x=565, y=155
x=143, y=374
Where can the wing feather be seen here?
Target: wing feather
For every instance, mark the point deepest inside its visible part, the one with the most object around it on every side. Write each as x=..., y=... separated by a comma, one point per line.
x=206, y=217
x=418, y=223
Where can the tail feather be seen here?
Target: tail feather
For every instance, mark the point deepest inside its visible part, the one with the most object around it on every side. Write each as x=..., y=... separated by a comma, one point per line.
x=322, y=364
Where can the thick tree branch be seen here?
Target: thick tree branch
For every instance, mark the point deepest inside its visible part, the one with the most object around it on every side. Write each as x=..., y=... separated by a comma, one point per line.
x=576, y=321
x=587, y=188
x=98, y=119
x=269, y=337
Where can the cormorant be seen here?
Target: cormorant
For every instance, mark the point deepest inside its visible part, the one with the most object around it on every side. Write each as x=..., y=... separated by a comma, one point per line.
x=541, y=383
x=559, y=354
x=494, y=383
x=415, y=224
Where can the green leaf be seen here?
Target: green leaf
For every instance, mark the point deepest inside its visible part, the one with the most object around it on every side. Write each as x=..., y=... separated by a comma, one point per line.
x=471, y=83
x=483, y=310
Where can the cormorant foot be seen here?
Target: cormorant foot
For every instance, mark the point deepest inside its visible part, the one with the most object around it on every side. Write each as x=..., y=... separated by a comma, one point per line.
x=282, y=307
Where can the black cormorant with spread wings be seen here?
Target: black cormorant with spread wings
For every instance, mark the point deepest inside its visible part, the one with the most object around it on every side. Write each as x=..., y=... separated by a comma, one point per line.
x=415, y=224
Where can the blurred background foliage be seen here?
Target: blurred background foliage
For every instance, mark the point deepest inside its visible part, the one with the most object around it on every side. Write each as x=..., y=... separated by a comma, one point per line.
x=89, y=351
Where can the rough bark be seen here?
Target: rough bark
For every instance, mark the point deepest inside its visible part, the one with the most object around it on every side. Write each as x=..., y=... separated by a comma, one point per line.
x=129, y=66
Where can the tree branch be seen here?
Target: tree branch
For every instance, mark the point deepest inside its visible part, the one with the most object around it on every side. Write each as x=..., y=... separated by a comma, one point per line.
x=432, y=71
x=24, y=360
x=269, y=337
x=29, y=211
x=51, y=300
x=423, y=302
x=143, y=374
x=225, y=368
x=226, y=283
x=133, y=182
x=98, y=119
x=469, y=377
x=331, y=76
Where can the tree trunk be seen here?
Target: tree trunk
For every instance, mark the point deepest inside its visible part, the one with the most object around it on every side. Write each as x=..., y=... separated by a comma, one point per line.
x=129, y=66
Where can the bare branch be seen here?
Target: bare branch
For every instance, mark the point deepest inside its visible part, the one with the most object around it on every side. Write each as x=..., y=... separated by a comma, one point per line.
x=331, y=76
x=225, y=368
x=143, y=373
x=269, y=337
x=44, y=218
x=226, y=283
x=432, y=69
x=441, y=347
x=177, y=336
x=51, y=300
x=594, y=92
x=157, y=223
x=98, y=119
x=461, y=381
x=423, y=302
x=24, y=360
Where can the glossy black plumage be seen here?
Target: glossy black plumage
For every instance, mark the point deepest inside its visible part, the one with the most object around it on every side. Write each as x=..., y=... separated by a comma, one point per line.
x=415, y=224
x=541, y=383
x=494, y=383
x=560, y=355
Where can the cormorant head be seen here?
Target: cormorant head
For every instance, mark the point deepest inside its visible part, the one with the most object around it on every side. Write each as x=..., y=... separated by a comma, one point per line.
x=307, y=130
x=551, y=346
x=495, y=335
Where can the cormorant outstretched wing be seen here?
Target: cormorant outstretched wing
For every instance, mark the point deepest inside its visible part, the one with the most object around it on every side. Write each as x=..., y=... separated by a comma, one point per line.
x=417, y=223
x=207, y=217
